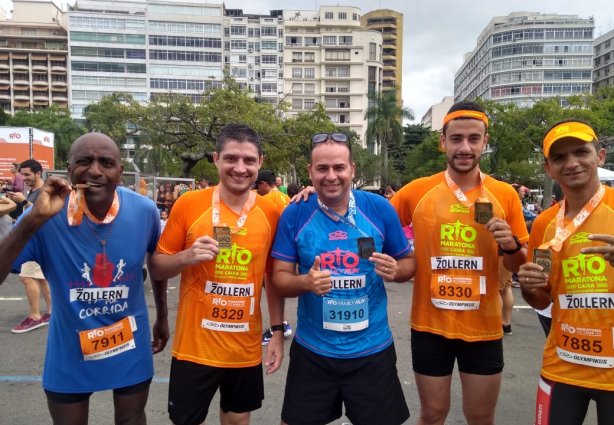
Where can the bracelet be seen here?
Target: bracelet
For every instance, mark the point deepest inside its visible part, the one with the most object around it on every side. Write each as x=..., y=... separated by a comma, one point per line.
x=514, y=250
x=277, y=328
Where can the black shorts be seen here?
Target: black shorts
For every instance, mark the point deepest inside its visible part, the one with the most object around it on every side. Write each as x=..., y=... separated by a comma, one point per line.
x=569, y=404
x=67, y=398
x=317, y=386
x=434, y=355
x=192, y=387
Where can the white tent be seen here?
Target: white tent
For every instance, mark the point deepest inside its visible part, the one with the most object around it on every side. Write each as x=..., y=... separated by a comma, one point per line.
x=605, y=175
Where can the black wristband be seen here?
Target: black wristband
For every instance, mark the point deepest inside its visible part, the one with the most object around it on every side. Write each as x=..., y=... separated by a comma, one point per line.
x=277, y=328
x=514, y=250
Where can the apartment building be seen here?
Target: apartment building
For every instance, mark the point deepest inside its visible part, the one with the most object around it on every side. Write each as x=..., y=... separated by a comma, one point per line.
x=33, y=57
x=603, y=62
x=143, y=48
x=390, y=24
x=253, y=52
x=329, y=58
x=433, y=118
x=525, y=57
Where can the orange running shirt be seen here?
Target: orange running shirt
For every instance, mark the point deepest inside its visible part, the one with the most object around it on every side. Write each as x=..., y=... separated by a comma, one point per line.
x=579, y=349
x=278, y=198
x=456, y=286
x=218, y=321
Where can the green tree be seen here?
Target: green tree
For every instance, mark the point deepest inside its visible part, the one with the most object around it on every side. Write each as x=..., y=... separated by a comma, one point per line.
x=424, y=159
x=384, y=125
x=113, y=115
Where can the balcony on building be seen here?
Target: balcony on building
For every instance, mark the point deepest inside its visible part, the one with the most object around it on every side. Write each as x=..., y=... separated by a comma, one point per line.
x=41, y=96
x=58, y=65
x=57, y=82
x=4, y=61
x=5, y=94
x=20, y=64
x=39, y=63
x=5, y=78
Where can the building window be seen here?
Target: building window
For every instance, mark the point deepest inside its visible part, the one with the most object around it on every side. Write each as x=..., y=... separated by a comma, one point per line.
x=310, y=88
x=372, y=51
x=345, y=40
x=309, y=104
x=297, y=88
x=329, y=40
x=328, y=15
x=268, y=31
x=310, y=73
x=297, y=103
x=342, y=15
x=297, y=57
x=297, y=72
x=238, y=30
x=310, y=57
x=337, y=55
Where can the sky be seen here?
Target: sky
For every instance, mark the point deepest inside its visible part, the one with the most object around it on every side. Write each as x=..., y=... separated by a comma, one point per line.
x=438, y=33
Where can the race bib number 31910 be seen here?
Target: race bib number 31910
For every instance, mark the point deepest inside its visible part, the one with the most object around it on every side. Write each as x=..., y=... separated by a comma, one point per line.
x=345, y=315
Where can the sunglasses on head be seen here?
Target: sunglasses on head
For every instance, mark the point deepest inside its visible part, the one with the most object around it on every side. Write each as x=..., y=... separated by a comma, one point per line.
x=323, y=137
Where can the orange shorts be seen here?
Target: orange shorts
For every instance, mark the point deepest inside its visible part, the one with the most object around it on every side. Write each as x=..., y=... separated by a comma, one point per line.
x=505, y=276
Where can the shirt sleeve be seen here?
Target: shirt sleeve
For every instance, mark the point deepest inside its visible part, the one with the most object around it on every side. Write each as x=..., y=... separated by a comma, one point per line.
x=284, y=246
x=395, y=241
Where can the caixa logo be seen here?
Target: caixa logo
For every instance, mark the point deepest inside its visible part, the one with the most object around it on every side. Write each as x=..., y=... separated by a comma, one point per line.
x=339, y=259
x=583, y=264
x=457, y=231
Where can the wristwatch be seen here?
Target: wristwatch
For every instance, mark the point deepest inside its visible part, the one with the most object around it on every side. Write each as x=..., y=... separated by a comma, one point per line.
x=514, y=250
x=279, y=328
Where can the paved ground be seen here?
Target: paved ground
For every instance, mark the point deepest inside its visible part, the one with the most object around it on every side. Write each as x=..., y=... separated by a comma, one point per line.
x=22, y=400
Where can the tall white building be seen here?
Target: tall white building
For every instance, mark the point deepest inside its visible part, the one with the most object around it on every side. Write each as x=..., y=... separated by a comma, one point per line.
x=143, y=48
x=603, y=73
x=253, y=52
x=525, y=57
x=148, y=47
x=329, y=58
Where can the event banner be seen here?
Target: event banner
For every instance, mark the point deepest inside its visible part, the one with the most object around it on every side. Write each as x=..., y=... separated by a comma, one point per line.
x=20, y=143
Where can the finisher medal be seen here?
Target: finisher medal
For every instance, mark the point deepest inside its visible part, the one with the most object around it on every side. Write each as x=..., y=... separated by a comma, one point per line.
x=366, y=247
x=222, y=236
x=483, y=212
x=543, y=257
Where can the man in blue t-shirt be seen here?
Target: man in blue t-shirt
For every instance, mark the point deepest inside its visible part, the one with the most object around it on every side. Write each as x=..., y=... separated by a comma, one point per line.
x=91, y=243
x=345, y=243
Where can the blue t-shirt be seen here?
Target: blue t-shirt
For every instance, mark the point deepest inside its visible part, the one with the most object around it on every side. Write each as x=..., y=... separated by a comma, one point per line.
x=352, y=320
x=91, y=290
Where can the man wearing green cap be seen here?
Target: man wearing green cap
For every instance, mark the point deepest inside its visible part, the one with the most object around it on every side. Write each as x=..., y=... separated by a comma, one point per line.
x=571, y=264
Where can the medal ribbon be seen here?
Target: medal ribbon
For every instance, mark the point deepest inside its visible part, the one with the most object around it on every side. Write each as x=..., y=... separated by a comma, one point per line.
x=350, y=220
x=458, y=193
x=562, y=231
x=77, y=207
x=215, y=215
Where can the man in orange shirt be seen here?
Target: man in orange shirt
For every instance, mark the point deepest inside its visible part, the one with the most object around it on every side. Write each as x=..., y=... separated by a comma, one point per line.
x=219, y=239
x=265, y=186
x=461, y=217
x=572, y=266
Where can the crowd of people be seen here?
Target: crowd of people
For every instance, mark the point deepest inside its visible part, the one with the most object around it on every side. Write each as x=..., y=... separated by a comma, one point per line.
x=332, y=248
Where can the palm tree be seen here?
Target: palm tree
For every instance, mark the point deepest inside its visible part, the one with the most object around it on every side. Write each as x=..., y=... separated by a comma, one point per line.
x=385, y=124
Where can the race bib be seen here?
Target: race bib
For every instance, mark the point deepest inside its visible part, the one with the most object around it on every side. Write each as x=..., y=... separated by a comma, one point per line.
x=228, y=306
x=586, y=346
x=108, y=341
x=345, y=315
x=452, y=292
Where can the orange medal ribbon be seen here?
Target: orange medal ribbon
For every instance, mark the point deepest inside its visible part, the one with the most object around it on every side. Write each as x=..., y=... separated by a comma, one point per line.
x=77, y=207
x=251, y=200
x=562, y=231
x=458, y=193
